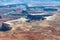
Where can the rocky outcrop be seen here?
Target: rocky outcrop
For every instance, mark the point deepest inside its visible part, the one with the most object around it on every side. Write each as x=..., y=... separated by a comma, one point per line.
x=5, y=27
